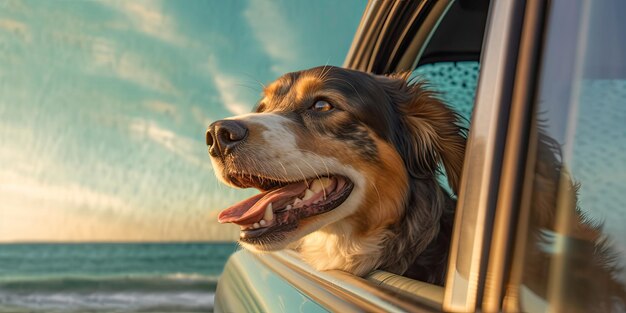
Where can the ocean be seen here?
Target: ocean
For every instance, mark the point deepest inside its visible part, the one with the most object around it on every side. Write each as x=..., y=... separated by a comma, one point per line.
x=111, y=277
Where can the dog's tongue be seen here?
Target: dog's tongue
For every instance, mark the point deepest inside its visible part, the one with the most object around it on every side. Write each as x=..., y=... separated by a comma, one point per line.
x=251, y=210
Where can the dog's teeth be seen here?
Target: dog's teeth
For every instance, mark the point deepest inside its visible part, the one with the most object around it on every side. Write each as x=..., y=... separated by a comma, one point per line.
x=288, y=207
x=320, y=184
x=308, y=194
x=297, y=201
x=316, y=186
x=262, y=222
x=256, y=225
x=243, y=227
x=269, y=213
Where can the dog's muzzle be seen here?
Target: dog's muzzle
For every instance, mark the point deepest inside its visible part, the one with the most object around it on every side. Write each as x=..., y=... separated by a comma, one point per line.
x=224, y=135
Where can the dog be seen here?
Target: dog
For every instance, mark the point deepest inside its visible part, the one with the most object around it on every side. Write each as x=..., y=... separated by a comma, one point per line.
x=346, y=163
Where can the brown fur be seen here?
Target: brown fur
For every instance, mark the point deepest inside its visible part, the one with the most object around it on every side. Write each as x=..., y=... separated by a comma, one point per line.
x=438, y=138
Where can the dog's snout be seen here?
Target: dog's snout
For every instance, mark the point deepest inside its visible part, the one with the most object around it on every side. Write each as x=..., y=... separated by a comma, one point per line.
x=222, y=136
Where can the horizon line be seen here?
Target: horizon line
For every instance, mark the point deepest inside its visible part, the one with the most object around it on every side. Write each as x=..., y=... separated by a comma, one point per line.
x=116, y=242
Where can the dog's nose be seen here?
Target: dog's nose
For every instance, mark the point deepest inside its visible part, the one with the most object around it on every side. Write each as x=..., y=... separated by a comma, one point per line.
x=222, y=136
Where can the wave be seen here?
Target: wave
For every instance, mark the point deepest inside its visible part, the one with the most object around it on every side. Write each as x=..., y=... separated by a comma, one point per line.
x=64, y=260
x=174, y=292
x=110, y=277
x=106, y=302
x=166, y=282
x=191, y=276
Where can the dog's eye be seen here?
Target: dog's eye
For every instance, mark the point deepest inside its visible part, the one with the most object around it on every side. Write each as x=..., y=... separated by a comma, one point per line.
x=321, y=106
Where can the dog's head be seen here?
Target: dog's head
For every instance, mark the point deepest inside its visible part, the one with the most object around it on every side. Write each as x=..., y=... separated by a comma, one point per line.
x=330, y=147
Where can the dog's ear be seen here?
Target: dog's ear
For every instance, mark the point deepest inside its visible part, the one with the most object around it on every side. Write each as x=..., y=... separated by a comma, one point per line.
x=429, y=133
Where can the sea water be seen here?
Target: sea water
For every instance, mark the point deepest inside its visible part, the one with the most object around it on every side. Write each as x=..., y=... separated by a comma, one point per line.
x=111, y=277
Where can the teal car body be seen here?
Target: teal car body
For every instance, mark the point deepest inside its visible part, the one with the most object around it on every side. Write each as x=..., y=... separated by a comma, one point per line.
x=247, y=285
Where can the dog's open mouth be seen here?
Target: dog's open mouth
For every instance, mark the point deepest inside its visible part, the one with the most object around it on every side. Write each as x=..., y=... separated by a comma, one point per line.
x=281, y=205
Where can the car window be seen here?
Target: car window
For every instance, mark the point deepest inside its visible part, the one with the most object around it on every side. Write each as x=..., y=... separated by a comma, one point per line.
x=576, y=244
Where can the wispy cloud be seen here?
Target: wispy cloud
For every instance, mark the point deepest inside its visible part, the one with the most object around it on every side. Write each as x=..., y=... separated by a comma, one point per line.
x=23, y=180
x=128, y=66
x=165, y=108
x=161, y=107
x=275, y=34
x=229, y=89
x=19, y=29
x=226, y=87
x=184, y=147
x=13, y=184
x=149, y=18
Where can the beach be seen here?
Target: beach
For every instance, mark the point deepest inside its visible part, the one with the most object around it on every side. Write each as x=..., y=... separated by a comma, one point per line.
x=106, y=277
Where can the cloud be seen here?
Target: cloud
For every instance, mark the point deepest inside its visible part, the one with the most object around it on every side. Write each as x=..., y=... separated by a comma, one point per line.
x=163, y=108
x=31, y=210
x=227, y=88
x=149, y=18
x=184, y=147
x=18, y=28
x=63, y=196
x=132, y=68
x=275, y=34
x=128, y=66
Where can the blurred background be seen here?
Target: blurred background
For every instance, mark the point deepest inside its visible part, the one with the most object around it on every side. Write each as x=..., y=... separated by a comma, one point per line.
x=108, y=199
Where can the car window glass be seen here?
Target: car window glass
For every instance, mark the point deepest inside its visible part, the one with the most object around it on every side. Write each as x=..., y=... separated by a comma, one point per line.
x=576, y=244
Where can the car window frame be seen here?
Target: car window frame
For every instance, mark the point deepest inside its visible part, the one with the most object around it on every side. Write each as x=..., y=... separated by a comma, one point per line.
x=480, y=180
x=512, y=194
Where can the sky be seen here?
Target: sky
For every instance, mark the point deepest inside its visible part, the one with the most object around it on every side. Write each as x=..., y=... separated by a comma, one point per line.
x=104, y=107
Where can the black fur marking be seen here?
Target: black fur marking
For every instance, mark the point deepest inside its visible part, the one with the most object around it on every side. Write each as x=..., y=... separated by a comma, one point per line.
x=358, y=137
x=365, y=99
